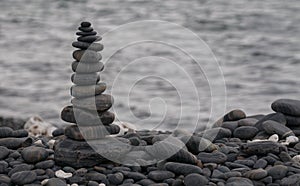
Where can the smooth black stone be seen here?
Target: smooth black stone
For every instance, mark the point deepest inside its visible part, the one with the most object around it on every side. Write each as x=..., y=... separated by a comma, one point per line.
x=92, y=183
x=19, y=168
x=5, y=132
x=12, y=122
x=261, y=148
x=247, y=122
x=86, y=118
x=15, y=143
x=23, y=177
x=195, y=179
x=96, y=176
x=278, y=171
x=160, y=175
x=287, y=106
x=86, y=29
x=88, y=46
x=233, y=115
x=99, y=103
x=20, y=133
x=278, y=117
x=197, y=144
x=182, y=168
x=231, y=125
x=87, y=91
x=58, y=132
x=89, y=39
x=3, y=167
x=45, y=164
x=87, y=133
x=146, y=182
x=245, y=132
x=85, y=79
x=273, y=127
x=292, y=121
x=216, y=134
x=247, y=162
x=214, y=157
x=256, y=174
x=85, y=24
x=116, y=178
x=261, y=163
x=87, y=56
x=4, y=152
x=34, y=154
x=136, y=176
x=86, y=33
x=80, y=154
x=81, y=67
x=56, y=182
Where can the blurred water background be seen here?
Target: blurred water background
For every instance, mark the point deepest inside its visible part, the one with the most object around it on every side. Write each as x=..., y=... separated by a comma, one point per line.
x=257, y=44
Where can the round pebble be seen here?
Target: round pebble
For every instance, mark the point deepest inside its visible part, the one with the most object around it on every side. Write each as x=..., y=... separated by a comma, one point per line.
x=34, y=154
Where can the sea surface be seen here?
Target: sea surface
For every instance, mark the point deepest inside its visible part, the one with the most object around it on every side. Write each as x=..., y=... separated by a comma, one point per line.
x=198, y=60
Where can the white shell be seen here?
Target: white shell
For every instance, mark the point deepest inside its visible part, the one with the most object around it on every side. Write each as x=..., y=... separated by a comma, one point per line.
x=36, y=126
x=62, y=174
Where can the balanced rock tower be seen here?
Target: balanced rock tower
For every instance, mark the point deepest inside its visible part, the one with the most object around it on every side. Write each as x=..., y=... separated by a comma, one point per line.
x=89, y=110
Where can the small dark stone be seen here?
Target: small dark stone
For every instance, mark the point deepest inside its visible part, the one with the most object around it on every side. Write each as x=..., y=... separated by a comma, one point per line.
x=256, y=174
x=160, y=175
x=86, y=57
x=214, y=157
x=96, y=176
x=145, y=182
x=92, y=33
x=85, y=24
x=182, y=168
x=5, y=132
x=87, y=46
x=34, y=154
x=134, y=175
x=291, y=180
x=85, y=79
x=19, y=168
x=45, y=164
x=87, y=91
x=233, y=115
x=292, y=120
x=100, y=102
x=273, y=127
x=4, y=152
x=279, y=117
x=81, y=67
x=231, y=125
x=116, y=178
x=247, y=122
x=278, y=171
x=92, y=183
x=287, y=106
x=197, y=144
x=4, y=179
x=56, y=182
x=86, y=29
x=238, y=181
x=23, y=177
x=261, y=163
x=261, y=148
x=216, y=134
x=89, y=39
x=58, y=132
x=195, y=179
x=245, y=132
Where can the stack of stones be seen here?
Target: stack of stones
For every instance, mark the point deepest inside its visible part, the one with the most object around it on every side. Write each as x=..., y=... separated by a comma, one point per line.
x=89, y=109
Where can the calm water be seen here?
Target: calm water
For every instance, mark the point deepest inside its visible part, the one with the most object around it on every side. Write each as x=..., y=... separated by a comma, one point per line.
x=257, y=44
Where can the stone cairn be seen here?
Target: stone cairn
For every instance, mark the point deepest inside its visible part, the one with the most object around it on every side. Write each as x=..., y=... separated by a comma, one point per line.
x=89, y=109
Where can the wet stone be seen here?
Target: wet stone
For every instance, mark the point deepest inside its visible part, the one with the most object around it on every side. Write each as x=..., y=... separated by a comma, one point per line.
x=195, y=179
x=23, y=177
x=245, y=132
x=87, y=46
x=34, y=154
x=85, y=79
x=89, y=39
x=287, y=106
x=160, y=175
x=273, y=127
x=182, y=168
x=214, y=157
x=100, y=102
x=83, y=68
x=87, y=91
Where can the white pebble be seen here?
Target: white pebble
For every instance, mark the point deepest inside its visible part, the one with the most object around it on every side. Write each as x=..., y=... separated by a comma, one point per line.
x=51, y=144
x=102, y=184
x=292, y=139
x=45, y=181
x=274, y=138
x=62, y=174
x=39, y=142
x=74, y=184
x=296, y=158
